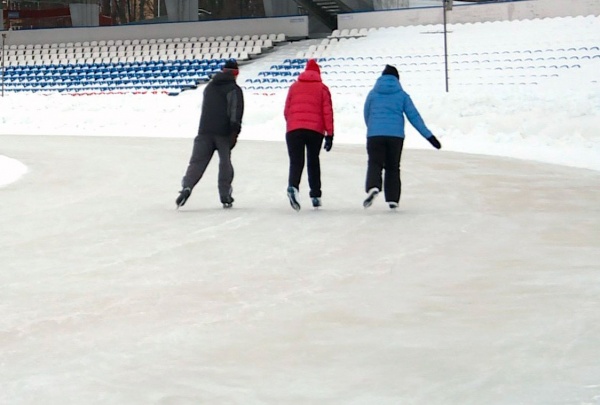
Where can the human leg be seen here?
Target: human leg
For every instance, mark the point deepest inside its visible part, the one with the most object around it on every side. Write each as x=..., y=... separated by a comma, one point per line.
x=201, y=156
x=295, y=145
x=314, y=141
x=376, y=159
x=392, y=184
x=226, y=172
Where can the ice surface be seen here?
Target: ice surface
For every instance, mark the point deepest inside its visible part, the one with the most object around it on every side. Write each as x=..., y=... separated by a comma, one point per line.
x=482, y=289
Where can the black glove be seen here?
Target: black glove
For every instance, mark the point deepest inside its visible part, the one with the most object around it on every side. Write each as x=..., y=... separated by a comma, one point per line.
x=433, y=140
x=328, y=143
x=234, y=138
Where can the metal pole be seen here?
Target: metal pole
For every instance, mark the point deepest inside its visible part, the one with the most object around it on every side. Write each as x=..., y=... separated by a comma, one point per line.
x=3, y=59
x=446, y=44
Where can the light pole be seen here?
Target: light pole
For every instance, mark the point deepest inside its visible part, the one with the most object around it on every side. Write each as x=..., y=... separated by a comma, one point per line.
x=3, y=59
x=447, y=7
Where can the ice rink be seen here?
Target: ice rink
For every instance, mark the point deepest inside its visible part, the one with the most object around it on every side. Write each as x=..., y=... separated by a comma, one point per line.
x=482, y=289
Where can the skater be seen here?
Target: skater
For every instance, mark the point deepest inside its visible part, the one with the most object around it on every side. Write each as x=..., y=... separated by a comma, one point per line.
x=220, y=125
x=309, y=120
x=384, y=111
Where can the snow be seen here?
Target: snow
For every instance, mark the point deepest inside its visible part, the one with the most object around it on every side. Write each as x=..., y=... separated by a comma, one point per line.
x=482, y=288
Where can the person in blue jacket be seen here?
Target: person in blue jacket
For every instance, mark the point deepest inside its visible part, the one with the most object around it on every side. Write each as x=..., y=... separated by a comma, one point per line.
x=384, y=111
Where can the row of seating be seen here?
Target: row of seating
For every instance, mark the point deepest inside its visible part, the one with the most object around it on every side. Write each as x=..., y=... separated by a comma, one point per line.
x=282, y=70
x=168, y=87
x=97, y=58
x=274, y=38
x=367, y=86
x=351, y=33
x=113, y=49
x=211, y=63
x=199, y=66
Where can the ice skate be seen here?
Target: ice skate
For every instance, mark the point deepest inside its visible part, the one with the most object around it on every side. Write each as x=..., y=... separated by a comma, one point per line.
x=372, y=193
x=292, y=193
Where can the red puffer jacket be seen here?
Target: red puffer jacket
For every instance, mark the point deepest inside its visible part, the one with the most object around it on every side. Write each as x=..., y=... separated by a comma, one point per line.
x=308, y=103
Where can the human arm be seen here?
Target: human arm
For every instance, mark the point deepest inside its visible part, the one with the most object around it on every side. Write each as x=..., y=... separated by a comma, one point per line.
x=235, y=112
x=288, y=102
x=235, y=109
x=327, y=109
x=367, y=109
x=417, y=122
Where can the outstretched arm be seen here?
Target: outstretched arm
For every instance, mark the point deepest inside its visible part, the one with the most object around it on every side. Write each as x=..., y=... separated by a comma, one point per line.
x=415, y=118
x=416, y=121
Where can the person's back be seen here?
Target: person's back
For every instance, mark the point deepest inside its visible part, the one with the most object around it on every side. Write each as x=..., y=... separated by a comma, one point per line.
x=385, y=107
x=220, y=125
x=384, y=111
x=308, y=103
x=222, y=106
x=308, y=115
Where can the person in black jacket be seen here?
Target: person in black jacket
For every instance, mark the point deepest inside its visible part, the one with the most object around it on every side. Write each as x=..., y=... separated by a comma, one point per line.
x=220, y=125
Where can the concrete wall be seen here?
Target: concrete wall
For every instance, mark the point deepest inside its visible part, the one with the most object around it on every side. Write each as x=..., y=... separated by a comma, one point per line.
x=275, y=8
x=390, y=4
x=518, y=10
x=291, y=26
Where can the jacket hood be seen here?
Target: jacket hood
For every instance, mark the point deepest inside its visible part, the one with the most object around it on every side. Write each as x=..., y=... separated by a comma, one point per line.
x=313, y=65
x=310, y=76
x=387, y=84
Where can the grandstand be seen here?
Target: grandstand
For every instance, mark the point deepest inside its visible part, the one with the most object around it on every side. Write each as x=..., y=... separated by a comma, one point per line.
x=418, y=53
x=156, y=64
x=142, y=59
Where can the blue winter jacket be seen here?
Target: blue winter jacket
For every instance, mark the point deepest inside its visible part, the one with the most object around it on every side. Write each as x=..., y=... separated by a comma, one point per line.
x=385, y=107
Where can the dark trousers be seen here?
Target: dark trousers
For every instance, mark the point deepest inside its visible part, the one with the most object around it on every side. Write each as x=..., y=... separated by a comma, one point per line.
x=298, y=141
x=204, y=148
x=384, y=154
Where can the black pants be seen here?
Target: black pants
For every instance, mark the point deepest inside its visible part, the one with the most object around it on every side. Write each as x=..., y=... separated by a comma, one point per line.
x=297, y=141
x=204, y=148
x=384, y=154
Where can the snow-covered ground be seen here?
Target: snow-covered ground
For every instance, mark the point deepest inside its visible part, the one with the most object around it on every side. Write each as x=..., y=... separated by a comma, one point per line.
x=482, y=289
x=486, y=111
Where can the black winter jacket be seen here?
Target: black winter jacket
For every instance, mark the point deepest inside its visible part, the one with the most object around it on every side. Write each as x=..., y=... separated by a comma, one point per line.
x=223, y=106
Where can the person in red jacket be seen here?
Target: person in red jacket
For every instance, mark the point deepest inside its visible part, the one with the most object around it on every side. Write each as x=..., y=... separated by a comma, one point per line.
x=309, y=120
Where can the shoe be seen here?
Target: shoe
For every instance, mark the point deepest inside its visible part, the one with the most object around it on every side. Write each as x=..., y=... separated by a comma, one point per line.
x=184, y=194
x=371, y=194
x=316, y=202
x=393, y=205
x=227, y=201
x=292, y=193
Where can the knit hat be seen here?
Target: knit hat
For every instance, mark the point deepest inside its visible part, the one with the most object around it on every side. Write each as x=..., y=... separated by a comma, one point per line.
x=313, y=65
x=391, y=70
x=231, y=66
